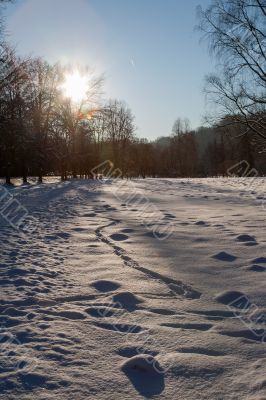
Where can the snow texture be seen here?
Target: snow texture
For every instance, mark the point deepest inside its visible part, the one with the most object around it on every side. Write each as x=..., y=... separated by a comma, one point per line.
x=99, y=301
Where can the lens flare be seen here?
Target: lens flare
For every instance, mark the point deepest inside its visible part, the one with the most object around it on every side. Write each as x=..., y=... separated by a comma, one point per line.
x=75, y=86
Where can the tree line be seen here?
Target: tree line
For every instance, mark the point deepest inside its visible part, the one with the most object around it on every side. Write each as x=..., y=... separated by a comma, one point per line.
x=43, y=133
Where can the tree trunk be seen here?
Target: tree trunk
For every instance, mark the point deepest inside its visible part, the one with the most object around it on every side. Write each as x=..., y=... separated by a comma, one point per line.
x=40, y=177
x=24, y=174
x=8, y=178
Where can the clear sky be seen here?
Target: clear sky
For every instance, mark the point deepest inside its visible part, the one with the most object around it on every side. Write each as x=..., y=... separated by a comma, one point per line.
x=148, y=50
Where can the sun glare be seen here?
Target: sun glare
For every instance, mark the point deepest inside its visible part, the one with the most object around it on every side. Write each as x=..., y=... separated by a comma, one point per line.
x=75, y=86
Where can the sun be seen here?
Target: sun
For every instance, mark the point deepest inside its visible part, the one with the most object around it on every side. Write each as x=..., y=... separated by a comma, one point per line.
x=75, y=86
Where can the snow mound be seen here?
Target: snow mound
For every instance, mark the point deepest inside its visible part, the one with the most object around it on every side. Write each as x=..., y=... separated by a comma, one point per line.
x=224, y=256
x=246, y=238
x=127, y=300
x=143, y=362
x=145, y=374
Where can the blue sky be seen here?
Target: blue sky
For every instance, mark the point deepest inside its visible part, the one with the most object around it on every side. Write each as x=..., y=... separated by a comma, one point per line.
x=148, y=50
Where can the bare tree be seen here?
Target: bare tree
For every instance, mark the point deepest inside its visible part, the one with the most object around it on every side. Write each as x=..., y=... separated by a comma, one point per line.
x=236, y=33
x=120, y=128
x=13, y=119
x=75, y=122
x=181, y=126
x=43, y=93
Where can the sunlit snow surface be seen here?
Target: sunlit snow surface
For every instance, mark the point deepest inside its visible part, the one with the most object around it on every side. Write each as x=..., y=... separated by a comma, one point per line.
x=95, y=306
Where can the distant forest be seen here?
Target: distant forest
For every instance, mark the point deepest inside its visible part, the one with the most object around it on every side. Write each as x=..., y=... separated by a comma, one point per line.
x=43, y=133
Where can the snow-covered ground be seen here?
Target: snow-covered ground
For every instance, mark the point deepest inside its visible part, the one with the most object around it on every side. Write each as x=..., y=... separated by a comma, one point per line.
x=139, y=289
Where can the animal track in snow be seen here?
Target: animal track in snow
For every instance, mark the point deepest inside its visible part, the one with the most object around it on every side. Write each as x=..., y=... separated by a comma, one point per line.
x=176, y=287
